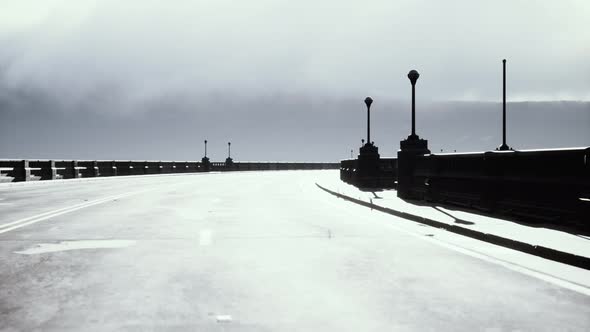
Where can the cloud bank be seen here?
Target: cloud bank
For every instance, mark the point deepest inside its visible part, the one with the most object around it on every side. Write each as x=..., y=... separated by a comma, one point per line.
x=130, y=53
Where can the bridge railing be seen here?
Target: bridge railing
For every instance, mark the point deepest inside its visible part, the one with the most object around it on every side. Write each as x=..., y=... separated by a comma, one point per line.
x=27, y=170
x=385, y=178
x=543, y=184
x=540, y=185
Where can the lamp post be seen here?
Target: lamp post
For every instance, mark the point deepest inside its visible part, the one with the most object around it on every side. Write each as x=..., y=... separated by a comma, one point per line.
x=229, y=162
x=205, y=161
x=504, y=146
x=413, y=76
x=410, y=148
x=367, y=166
x=368, y=102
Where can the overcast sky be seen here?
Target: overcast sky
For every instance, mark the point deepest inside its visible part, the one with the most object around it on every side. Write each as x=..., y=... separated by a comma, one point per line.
x=143, y=49
x=286, y=75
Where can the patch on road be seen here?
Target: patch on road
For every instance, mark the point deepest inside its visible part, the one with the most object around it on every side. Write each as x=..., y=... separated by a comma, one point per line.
x=43, y=248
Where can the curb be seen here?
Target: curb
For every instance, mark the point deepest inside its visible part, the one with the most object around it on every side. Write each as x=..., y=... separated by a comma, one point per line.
x=539, y=251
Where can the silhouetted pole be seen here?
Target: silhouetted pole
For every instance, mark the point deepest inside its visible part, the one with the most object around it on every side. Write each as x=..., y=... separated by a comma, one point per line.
x=351, y=151
x=228, y=161
x=413, y=76
x=504, y=102
x=504, y=146
x=368, y=102
x=205, y=161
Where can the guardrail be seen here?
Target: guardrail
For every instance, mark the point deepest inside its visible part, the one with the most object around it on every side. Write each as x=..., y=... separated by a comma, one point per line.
x=31, y=170
x=384, y=178
x=544, y=186
x=550, y=185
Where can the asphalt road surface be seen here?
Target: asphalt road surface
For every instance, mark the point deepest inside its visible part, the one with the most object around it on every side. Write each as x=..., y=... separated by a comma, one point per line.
x=249, y=251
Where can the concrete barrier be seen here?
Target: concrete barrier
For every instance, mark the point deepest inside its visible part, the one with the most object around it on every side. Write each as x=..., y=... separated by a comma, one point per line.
x=539, y=186
x=16, y=170
x=88, y=168
x=384, y=177
x=27, y=170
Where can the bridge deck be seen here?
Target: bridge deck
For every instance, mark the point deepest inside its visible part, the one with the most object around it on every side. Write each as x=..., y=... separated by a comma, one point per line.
x=258, y=251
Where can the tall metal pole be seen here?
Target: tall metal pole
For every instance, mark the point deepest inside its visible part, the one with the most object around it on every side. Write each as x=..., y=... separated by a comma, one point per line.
x=413, y=76
x=413, y=110
x=504, y=102
x=229, y=149
x=504, y=146
x=368, y=102
x=205, y=148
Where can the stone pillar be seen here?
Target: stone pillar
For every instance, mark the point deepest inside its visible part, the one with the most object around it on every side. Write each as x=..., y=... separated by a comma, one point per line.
x=22, y=171
x=410, y=148
x=75, y=170
x=94, y=171
x=48, y=170
x=113, y=168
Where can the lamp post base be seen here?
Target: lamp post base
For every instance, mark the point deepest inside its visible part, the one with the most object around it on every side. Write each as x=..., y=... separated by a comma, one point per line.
x=503, y=147
x=409, y=186
x=415, y=144
x=205, y=164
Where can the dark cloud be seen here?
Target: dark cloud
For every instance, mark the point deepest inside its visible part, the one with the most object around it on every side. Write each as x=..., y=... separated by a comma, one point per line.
x=146, y=49
x=285, y=80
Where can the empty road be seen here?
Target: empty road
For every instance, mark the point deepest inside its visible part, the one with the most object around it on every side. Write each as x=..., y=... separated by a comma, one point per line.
x=252, y=251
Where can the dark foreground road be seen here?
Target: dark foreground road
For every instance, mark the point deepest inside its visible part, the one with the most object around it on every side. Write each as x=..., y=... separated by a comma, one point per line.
x=260, y=251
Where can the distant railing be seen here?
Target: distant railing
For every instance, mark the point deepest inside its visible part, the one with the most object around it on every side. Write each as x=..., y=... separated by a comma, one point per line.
x=30, y=170
x=385, y=179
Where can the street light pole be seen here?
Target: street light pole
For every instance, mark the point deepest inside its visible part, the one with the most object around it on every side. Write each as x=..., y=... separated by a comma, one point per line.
x=368, y=102
x=229, y=149
x=205, y=148
x=413, y=76
x=504, y=146
x=504, y=102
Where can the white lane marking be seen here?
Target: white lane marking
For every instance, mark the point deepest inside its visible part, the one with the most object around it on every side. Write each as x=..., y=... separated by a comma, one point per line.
x=205, y=237
x=44, y=216
x=223, y=318
x=61, y=209
x=52, y=212
x=582, y=289
x=43, y=248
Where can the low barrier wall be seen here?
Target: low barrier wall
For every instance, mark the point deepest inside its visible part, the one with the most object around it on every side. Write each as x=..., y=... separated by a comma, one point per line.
x=385, y=178
x=31, y=170
x=543, y=186
x=547, y=185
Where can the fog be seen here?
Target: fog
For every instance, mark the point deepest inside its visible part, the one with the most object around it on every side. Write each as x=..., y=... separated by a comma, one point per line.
x=284, y=78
